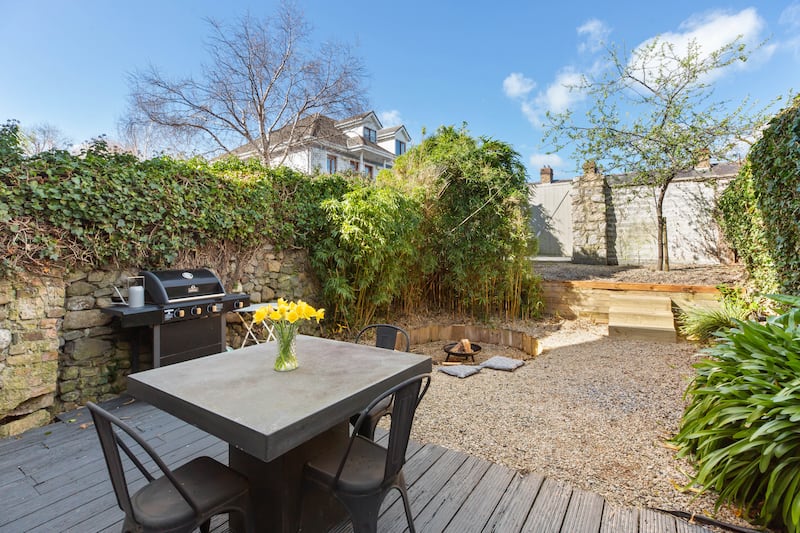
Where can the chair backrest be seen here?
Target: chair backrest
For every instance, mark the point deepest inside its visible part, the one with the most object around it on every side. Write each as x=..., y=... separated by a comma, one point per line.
x=111, y=443
x=407, y=396
x=386, y=336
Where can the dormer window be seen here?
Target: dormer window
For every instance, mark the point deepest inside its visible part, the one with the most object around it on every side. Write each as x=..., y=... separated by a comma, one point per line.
x=370, y=134
x=399, y=147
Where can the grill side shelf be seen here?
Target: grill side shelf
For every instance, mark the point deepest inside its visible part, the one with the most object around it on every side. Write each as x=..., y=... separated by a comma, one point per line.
x=131, y=317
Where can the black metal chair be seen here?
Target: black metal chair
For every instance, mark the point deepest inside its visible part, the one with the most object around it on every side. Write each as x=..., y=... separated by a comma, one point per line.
x=362, y=473
x=385, y=337
x=180, y=500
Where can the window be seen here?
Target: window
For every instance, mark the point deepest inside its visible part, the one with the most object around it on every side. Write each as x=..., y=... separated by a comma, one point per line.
x=354, y=165
x=399, y=147
x=370, y=134
x=368, y=171
x=331, y=164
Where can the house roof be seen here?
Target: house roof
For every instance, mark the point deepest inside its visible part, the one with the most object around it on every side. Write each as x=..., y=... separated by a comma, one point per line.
x=319, y=128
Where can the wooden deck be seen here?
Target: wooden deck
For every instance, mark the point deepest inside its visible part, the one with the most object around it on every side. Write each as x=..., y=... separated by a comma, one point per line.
x=54, y=479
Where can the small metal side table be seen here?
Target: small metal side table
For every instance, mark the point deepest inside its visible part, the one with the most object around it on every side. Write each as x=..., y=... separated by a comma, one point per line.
x=245, y=314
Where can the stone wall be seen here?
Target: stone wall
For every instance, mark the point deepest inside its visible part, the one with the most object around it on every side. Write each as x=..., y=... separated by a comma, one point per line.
x=589, y=240
x=31, y=310
x=613, y=219
x=58, y=350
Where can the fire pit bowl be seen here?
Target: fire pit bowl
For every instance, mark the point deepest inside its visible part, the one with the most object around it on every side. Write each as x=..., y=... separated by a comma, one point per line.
x=450, y=351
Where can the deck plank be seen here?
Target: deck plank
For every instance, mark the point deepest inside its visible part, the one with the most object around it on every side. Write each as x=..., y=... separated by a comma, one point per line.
x=584, y=513
x=515, y=504
x=654, y=522
x=617, y=519
x=443, y=507
x=549, y=508
x=481, y=503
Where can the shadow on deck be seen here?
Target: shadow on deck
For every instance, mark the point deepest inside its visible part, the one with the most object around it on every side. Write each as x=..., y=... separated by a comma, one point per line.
x=54, y=479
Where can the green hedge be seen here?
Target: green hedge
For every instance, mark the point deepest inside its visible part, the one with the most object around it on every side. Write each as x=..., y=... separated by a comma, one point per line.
x=761, y=209
x=461, y=243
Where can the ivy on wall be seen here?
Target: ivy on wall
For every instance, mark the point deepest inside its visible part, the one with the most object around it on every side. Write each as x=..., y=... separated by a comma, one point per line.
x=455, y=239
x=761, y=208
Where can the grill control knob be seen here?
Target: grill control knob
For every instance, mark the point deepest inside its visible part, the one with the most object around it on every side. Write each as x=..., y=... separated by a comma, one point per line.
x=238, y=304
x=215, y=308
x=197, y=311
x=180, y=313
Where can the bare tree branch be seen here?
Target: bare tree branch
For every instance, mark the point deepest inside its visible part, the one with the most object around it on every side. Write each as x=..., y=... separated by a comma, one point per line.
x=263, y=76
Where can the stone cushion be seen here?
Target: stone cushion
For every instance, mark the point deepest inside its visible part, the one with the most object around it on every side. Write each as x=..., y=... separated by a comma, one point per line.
x=461, y=371
x=498, y=362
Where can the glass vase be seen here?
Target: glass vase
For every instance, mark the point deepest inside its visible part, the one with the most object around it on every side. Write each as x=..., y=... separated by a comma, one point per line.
x=287, y=348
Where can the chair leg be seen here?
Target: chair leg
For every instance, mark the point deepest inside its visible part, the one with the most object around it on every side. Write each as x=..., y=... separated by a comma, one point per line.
x=401, y=486
x=363, y=511
x=205, y=527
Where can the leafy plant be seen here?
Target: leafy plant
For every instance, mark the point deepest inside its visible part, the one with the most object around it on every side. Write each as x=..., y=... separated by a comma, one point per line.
x=702, y=322
x=741, y=424
x=743, y=224
x=760, y=209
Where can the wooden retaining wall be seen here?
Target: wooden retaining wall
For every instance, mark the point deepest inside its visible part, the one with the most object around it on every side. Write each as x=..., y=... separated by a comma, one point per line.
x=504, y=337
x=590, y=299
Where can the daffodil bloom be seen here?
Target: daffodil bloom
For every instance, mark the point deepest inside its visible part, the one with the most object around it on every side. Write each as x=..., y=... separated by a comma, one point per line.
x=285, y=317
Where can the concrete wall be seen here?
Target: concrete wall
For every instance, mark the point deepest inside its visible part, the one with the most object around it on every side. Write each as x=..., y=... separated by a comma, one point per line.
x=614, y=222
x=551, y=206
x=59, y=350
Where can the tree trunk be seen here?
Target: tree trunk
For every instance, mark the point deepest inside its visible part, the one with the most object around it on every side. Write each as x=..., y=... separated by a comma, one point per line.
x=663, y=254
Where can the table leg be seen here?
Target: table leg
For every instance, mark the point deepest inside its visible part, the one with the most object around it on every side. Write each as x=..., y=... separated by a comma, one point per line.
x=277, y=488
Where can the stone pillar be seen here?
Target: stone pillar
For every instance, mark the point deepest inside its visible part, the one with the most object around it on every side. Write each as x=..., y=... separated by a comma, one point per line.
x=589, y=235
x=30, y=312
x=546, y=174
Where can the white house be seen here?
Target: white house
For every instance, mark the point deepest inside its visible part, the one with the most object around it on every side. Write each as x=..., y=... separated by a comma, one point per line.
x=320, y=143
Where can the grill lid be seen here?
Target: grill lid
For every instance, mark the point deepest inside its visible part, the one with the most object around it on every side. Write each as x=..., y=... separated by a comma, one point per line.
x=170, y=286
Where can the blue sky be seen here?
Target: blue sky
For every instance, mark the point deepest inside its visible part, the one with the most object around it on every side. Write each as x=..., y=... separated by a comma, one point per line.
x=498, y=66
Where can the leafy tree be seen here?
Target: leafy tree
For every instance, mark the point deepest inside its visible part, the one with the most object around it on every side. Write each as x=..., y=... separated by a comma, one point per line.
x=263, y=75
x=653, y=116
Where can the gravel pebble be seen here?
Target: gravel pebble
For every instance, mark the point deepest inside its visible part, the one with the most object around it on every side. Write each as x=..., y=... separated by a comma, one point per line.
x=591, y=411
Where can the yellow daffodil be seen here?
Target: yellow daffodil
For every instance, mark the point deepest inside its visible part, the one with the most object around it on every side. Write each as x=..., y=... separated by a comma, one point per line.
x=285, y=317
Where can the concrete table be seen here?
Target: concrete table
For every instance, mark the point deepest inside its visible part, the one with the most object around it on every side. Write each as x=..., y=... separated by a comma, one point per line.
x=275, y=421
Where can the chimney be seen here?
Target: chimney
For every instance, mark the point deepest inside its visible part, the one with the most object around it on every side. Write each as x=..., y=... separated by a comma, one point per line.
x=703, y=160
x=546, y=174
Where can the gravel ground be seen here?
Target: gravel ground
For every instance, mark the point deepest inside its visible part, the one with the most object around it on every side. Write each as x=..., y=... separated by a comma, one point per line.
x=678, y=274
x=589, y=410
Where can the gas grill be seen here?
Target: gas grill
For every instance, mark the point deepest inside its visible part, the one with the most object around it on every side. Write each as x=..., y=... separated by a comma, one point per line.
x=185, y=310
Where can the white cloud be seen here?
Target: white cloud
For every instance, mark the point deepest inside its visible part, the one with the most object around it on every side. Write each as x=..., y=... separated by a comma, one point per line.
x=595, y=32
x=562, y=93
x=712, y=30
x=538, y=161
x=390, y=118
x=516, y=85
x=790, y=18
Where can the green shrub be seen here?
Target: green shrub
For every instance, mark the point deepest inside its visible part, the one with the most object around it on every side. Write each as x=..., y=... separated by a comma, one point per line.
x=702, y=322
x=742, y=422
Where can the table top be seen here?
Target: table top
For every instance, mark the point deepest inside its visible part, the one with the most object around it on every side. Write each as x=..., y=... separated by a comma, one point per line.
x=239, y=397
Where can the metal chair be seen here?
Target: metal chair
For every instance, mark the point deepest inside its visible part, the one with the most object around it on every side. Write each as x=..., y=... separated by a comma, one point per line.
x=385, y=337
x=180, y=500
x=361, y=475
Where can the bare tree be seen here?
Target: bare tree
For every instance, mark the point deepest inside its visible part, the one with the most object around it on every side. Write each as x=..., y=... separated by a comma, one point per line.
x=44, y=137
x=263, y=76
